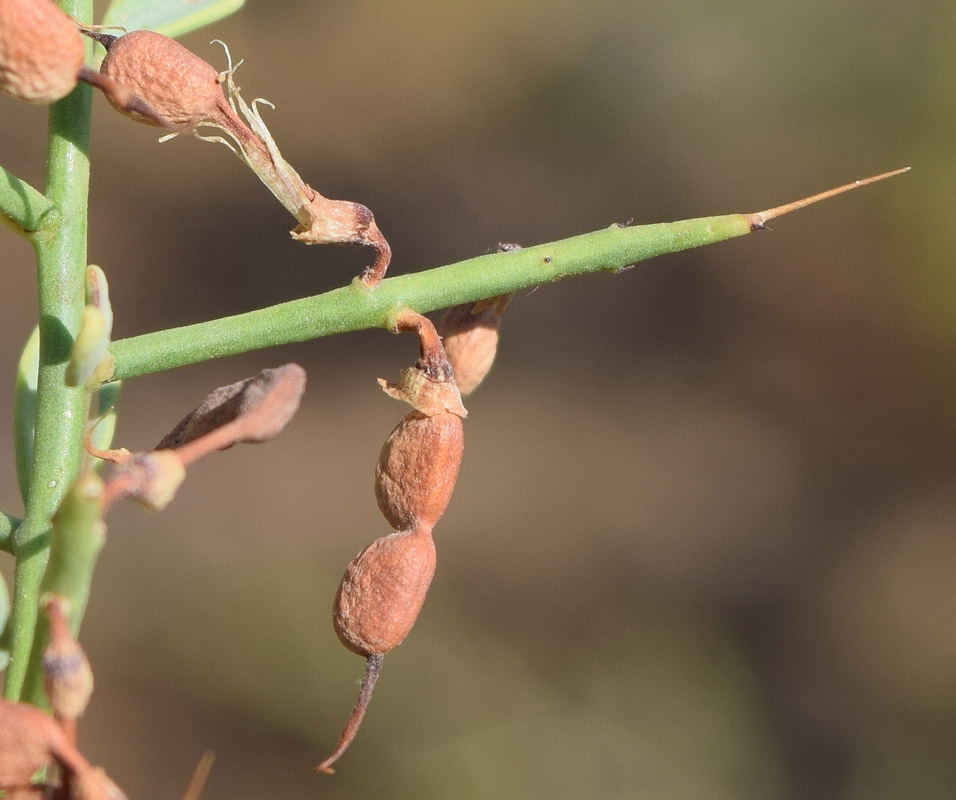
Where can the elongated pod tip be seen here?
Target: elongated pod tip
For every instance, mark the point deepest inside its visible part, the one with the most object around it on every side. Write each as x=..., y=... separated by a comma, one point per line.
x=758, y=220
x=373, y=667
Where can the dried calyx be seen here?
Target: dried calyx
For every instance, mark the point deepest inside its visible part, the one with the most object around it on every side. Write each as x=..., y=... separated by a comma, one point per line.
x=251, y=411
x=429, y=386
x=188, y=93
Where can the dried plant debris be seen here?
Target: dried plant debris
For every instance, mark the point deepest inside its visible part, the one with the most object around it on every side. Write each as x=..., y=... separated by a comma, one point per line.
x=429, y=386
x=151, y=479
x=188, y=93
x=252, y=411
x=31, y=740
x=68, y=677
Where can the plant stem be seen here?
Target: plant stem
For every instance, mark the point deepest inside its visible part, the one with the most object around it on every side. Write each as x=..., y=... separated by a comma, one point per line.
x=22, y=207
x=61, y=411
x=8, y=525
x=354, y=307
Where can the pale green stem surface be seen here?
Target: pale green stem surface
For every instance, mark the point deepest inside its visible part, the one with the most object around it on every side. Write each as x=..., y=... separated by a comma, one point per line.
x=355, y=307
x=22, y=207
x=76, y=539
x=61, y=263
x=8, y=525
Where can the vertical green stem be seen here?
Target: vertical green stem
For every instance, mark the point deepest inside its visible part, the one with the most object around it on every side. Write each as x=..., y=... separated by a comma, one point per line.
x=61, y=410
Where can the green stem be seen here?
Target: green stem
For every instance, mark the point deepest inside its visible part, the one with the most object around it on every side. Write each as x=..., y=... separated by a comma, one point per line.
x=22, y=207
x=61, y=411
x=355, y=307
x=8, y=525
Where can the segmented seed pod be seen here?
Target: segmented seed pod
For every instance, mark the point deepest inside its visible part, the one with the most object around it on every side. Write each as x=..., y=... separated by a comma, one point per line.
x=41, y=51
x=417, y=469
x=181, y=87
x=383, y=590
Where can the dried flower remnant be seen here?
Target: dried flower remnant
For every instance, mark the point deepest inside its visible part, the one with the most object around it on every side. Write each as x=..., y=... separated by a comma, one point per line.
x=429, y=386
x=470, y=335
x=251, y=411
x=187, y=91
x=68, y=677
x=151, y=479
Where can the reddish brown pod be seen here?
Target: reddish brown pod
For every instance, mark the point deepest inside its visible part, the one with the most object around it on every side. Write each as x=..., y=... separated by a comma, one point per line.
x=383, y=590
x=182, y=88
x=41, y=51
x=417, y=469
x=377, y=603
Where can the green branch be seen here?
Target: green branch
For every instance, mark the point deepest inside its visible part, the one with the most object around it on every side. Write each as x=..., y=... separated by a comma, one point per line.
x=22, y=207
x=8, y=525
x=355, y=307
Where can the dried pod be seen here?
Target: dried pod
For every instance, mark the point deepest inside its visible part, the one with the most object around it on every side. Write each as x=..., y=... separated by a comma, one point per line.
x=41, y=51
x=470, y=335
x=262, y=405
x=382, y=592
x=417, y=469
x=178, y=85
x=376, y=606
x=69, y=679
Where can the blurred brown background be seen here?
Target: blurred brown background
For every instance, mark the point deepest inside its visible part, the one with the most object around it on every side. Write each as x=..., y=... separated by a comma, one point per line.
x=702, y=544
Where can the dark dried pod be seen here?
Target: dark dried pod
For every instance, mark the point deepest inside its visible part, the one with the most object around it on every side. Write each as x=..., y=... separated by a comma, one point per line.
x=260, y=406
x=41, y=51
x=417, y=469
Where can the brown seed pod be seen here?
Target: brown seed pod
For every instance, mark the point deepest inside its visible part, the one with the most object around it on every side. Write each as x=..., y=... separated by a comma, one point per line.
x=470, y=335
x=41, y=51
x=417, y=469
x=382, y=592
x=377, y=603
x=181, y=87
